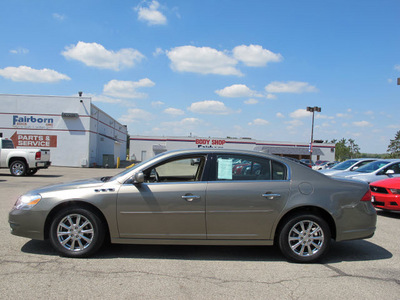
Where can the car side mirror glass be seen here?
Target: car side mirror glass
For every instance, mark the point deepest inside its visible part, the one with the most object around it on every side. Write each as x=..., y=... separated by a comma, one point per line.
x=138, y=178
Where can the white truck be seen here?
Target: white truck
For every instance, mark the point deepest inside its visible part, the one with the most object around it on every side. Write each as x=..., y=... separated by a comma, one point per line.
x=22, y=161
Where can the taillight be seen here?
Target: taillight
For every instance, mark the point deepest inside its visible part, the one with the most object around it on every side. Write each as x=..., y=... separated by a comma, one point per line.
x=367, y=196
x=38, y=155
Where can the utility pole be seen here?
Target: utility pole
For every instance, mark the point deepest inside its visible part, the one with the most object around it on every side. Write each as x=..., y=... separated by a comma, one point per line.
x=313, y=110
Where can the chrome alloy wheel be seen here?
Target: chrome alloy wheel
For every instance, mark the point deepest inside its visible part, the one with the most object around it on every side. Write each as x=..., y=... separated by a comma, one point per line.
x=306, y=238
x=18, y=169
x=75, y=232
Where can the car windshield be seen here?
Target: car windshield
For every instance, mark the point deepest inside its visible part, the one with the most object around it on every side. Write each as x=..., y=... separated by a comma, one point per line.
x=344, y=165
x=373, y=166
x=123, y=173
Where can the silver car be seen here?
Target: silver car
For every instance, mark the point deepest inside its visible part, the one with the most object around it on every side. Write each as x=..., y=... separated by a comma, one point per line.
x=348, y=165
x=377, y=170
x=201, y=197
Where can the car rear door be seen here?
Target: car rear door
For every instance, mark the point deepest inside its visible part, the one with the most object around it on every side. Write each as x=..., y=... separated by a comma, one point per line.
x=246, y=205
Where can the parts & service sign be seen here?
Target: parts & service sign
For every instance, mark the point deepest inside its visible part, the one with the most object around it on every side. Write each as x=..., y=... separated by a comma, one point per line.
x=34, y=140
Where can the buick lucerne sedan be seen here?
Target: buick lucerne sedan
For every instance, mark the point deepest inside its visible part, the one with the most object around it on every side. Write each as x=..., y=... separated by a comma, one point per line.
x=196, y=197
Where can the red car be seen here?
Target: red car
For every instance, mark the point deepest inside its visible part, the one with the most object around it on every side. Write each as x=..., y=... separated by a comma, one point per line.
x=386, y=193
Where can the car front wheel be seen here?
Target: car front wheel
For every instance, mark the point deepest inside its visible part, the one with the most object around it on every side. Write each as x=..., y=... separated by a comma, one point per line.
x=76, y=232
x=305, y=238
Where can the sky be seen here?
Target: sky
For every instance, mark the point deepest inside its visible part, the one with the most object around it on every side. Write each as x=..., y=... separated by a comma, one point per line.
x=237, y=68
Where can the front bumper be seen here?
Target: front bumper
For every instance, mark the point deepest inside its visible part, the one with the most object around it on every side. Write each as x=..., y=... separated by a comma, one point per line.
x=27, y=223
x=386, y=201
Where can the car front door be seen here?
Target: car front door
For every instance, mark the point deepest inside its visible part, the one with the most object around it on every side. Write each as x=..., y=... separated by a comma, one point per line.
x=393, y=170
x=170, y=204
x=245, y=204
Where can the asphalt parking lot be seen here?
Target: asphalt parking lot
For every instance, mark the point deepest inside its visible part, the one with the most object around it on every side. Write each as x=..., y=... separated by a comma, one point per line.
x=365, y=269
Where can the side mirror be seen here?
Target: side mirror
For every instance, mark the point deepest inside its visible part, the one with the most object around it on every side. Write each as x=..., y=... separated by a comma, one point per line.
x=389, y=172
x=138, y=178
x=354, y=168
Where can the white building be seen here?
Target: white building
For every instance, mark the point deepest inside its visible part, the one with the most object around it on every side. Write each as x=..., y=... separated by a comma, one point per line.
x=77, y=133
x=144, y=147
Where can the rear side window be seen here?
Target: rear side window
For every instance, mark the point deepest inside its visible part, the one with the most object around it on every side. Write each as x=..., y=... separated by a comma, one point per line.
x=7, y=144
x=238, y=167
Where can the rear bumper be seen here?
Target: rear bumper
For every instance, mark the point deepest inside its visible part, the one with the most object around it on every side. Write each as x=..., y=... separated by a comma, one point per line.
x=357, y=222
x=43, y=165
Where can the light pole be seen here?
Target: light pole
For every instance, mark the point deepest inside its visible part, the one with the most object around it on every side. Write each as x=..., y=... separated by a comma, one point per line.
x=312, y=109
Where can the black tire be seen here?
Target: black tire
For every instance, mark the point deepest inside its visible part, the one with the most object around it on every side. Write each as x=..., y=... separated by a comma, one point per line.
x=31, y=172
x=76, y=232
x=305, y=238
x=18, y=168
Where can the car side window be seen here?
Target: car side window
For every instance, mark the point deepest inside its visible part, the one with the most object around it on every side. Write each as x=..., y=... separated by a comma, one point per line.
x=232, y=168
x=395, y=168
x=178, y=170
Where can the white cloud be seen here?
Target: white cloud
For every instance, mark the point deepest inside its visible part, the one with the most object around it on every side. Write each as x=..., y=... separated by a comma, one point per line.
x=157, y=104
x=105, y=99
x=319, y=116
x=251, y=101
x=24, y=73
x=95, y=55
x=174, y=111
x=393, y=126
x=255, y=55
x=259, y=122
x=135, y=115
x=279, y=115
x=59, y=17
x=127, y=89
x=342, y=115
x=158, y=51
x=271, y=96
x=19, y=50
x=362, y=124
x=397, y=67
x=236, y=90
x=290, y=87
x=149, y=12
x=300, y=113
x=182, y=127
x=203, y=60
x=211, y=107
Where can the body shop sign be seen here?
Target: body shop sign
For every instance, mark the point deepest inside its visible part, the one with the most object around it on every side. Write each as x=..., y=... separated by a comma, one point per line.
x=34, y=140
x=208, y=143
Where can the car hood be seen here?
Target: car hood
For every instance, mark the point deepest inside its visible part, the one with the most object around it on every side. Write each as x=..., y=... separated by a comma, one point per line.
x=347, y=174
x=331, y=172
x=388, y=183
x=79, y=184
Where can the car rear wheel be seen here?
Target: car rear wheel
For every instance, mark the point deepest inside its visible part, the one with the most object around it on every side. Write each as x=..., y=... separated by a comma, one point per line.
x=305, y=238
x=76, y=232
x=18, y=168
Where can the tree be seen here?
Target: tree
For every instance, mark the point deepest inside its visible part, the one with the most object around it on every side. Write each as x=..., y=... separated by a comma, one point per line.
x=354, y=149
x=345, y=149
x=394, y=146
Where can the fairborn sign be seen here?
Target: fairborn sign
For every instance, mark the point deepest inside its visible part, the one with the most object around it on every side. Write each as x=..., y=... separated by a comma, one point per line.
x=32, y=122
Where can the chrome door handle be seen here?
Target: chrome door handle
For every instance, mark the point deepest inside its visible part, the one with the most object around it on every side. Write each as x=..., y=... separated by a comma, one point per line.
x=271, y=196
x=190, y=198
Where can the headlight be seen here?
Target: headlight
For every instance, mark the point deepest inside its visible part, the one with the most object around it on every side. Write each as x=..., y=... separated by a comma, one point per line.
x=395, y=191
x=27, y=201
